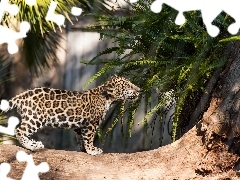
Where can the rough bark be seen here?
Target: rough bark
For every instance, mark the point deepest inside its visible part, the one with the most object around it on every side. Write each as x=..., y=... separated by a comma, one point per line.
x=223, y=117
x=208, y=151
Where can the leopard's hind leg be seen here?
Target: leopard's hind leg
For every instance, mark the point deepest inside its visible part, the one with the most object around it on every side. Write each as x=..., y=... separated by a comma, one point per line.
x=25, y=130
x=80, y=140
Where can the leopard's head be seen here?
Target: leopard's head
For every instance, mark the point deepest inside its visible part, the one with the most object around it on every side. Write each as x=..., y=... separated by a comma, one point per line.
x=119, y=88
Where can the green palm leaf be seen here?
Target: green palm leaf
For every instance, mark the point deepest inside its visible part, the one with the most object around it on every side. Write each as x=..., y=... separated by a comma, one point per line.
x=43, y=39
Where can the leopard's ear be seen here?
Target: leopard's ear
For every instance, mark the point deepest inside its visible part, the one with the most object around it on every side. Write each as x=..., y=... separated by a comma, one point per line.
x=114, y=76
x=108, y=92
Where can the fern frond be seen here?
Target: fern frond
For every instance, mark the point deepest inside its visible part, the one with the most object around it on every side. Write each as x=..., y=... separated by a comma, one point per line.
x=161, y=57
x=106, y=51
x=99, y=73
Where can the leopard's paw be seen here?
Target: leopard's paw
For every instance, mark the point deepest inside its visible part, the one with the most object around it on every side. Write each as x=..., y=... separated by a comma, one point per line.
x=35, y=145
x=39, y=145
x=94, y=151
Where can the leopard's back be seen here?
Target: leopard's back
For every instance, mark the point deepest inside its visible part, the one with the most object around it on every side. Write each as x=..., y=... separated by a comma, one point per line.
x=53, y=107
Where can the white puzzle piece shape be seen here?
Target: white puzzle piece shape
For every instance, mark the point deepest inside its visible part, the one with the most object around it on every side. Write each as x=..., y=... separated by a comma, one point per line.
x=30, y=2
x=10, y=36
x=209, y=9
x=4, y=106
x=51, y=16
x=7, y=35
x=4, y=170
x=76, y=11
x=6, y=7
x=10, y=129
x=31, y=171
x=12, y=121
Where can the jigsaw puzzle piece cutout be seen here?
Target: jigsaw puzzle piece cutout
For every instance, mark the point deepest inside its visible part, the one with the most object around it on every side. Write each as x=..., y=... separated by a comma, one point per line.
x=4, y=170
x=7, y=35
x=232, y=8
x=10, y=36
x=30, y=2
x=209, y=11
x=180, y=6
x=133, y=1
x=13, y=10
x=6, y=7
x=10, y=129
x=51, y=16
x=31, y=171
x=233, y=28
x=76, y=11
x=12, y=121
x=4, y=106
x=208, y=17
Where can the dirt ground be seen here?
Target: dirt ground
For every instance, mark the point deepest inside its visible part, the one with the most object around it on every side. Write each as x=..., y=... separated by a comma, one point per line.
x=184, y=159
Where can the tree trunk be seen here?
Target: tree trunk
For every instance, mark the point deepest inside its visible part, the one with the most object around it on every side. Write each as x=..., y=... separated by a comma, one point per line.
x=208, y=151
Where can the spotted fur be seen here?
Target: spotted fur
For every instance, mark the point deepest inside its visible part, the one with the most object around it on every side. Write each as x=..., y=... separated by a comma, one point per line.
x=82, y=112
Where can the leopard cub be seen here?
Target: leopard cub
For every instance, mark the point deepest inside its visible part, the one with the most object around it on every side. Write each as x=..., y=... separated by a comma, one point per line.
x=81, y=111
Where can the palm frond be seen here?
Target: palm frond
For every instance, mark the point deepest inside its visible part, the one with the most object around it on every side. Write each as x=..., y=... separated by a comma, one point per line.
x=43, y=39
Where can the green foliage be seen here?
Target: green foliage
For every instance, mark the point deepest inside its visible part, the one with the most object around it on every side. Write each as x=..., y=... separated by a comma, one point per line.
x=160, y=56
x=39, y=47
x=43, y=39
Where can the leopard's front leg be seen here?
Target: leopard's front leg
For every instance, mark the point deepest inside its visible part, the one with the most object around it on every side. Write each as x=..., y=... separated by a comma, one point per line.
x=88, y=131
